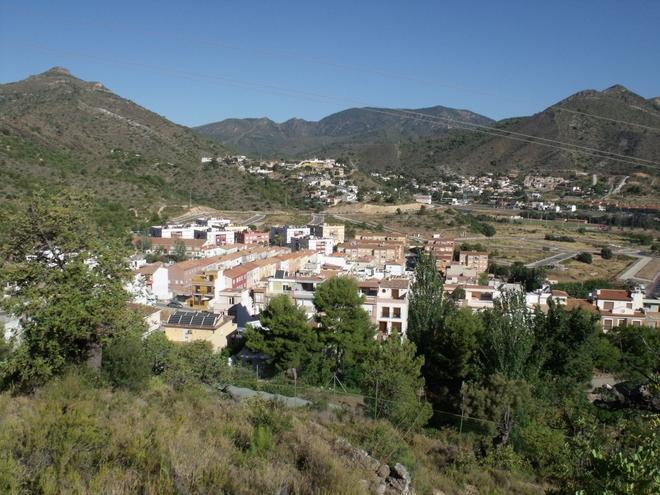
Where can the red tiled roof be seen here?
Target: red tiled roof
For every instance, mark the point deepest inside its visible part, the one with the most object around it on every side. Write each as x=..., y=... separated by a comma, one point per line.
x=612, y=295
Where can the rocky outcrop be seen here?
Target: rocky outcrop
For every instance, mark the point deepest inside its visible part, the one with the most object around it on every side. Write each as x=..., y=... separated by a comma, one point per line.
x=387, y=480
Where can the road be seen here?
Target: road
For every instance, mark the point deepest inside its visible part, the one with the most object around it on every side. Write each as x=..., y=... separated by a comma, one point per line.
x=254, y=219
x=552, y=260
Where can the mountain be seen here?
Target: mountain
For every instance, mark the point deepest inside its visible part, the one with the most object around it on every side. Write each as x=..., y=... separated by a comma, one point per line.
x=57, y=130
x=410, y=141
x=350, y=130
x=615, y=120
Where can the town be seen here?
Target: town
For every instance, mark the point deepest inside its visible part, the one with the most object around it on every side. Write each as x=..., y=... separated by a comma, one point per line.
x=227, y=273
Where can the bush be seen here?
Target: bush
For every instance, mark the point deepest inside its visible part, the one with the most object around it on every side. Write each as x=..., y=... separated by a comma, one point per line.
x=584, y=257
x=606, y=253
x=125, y=363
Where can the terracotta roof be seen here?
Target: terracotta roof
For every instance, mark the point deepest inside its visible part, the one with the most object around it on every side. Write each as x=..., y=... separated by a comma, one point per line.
x=150, y=269
x=559, y=293
x=395, y=283
x=612, y=295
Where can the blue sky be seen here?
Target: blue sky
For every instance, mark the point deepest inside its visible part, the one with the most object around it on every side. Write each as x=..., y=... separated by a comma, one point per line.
x=198, y=62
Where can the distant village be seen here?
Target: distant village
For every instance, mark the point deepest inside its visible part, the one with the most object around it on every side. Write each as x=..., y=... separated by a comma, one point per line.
x=328, y=182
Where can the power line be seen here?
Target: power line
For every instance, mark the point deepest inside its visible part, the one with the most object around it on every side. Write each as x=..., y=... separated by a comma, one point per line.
x=399, y=113
x=314, y=60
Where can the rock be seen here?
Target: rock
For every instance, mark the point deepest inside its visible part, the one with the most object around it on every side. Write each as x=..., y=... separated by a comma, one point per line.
x=437, y=492
x=400, y=471
x=470, y=490
x=381, y=488
x=383, y=471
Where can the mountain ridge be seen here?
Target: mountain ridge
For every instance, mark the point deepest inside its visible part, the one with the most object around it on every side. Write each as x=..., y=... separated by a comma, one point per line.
x=614, y=120
x=57, y=130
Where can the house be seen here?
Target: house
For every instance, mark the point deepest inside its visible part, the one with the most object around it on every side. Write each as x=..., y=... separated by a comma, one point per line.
x=188, y=326
x=150, y=314
x=476, y=260
x=168, y=245
x=156, y=279
x=620, y=307
x=425, y=199
x=220, y=237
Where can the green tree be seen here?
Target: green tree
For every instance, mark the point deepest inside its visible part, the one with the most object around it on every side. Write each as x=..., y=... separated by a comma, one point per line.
x=606, y=253
x=179, y=253
x=393, y=383
x=639, y=352
x=65, y=284
x=584, y=257
x=508, y=337
x=125, y=364
x=426, y=300
x=286, y=336
x=344, y=326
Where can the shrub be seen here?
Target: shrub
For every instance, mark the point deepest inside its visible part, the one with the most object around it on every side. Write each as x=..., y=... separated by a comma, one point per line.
x=584, y=257
x=606, y=253
x=125, y=363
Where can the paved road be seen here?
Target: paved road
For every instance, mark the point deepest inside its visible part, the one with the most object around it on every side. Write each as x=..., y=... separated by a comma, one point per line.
x=552, y=260
x=254, y=219
x=632, y=270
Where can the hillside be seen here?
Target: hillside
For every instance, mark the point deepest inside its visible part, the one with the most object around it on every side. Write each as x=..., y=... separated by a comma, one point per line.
x=404, y=142
x=354, y=129
x=474, y=151
x=57, y=130
x=70, y=437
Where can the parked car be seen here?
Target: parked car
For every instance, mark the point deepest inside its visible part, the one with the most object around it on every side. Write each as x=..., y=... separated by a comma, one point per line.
x=174, y=304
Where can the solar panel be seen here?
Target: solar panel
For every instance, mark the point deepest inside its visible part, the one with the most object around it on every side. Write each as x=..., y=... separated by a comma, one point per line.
x=197, y=320
x=209, y=321
x=186, y=319
x=175, y=318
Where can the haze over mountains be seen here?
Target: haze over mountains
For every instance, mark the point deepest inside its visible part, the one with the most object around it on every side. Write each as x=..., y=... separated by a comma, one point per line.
x=408, y=140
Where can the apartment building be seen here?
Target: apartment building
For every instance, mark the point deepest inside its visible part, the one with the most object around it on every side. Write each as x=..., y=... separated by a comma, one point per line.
x=253, y=237
x=386, y=302
x=477, y=260
x=326, y=230
x=442, y=250
x=282, y=235
x=377, y=251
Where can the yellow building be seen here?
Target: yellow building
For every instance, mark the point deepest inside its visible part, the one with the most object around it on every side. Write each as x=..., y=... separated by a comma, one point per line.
x=189, y=326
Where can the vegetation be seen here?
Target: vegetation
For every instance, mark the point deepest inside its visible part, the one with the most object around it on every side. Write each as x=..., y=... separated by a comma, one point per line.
x=495, y=399
x=584, y=257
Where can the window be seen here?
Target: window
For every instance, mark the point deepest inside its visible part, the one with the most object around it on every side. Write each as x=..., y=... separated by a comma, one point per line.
x=396, y=325
x=231, y=300
x=382, y=327
x=385, y=313
x=395, y=293
x=637, y=323
x=397, y=312
x=629, y=305
x=609, y=305
x=607, y=324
